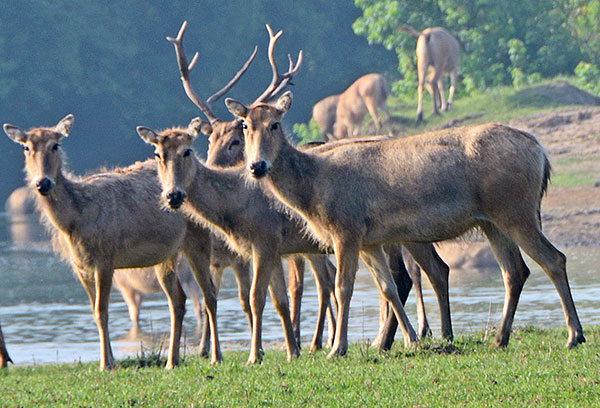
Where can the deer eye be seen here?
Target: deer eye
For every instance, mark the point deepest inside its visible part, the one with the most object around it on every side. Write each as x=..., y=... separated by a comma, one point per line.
x=55, y=147
x=244, y=126
x=26, y=148
x=187, y=152
x=234, y=143
x=275, y=126
x=157, y=155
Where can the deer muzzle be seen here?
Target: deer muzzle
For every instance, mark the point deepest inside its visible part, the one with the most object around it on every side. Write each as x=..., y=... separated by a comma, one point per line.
x=176, y=199
x=44, y=186
x=258, y=169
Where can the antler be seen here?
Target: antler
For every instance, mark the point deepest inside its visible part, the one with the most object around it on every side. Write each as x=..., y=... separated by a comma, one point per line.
x=279, y=82
x=185, y=69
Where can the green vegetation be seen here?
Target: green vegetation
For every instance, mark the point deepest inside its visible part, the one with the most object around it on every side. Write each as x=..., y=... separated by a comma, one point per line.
x=534, y=370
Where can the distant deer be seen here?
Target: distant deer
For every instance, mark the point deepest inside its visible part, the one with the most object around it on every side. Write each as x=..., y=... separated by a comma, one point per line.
x=437, y=53
x=112, y=220
x=366, y=94
x=323, y=113
x=226, y=150
x=135, y=283
x=422, y=188
x=4, y=357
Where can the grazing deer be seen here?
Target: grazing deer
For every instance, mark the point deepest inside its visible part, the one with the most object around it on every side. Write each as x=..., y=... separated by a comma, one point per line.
x=366, y=94
x=4, y=357
x=423, y=188
x=112, y=220
x=323, y=113
x=226, y=150
x=437, y=53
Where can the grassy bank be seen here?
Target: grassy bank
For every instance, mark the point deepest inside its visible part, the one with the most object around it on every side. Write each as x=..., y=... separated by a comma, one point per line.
x=534, y=370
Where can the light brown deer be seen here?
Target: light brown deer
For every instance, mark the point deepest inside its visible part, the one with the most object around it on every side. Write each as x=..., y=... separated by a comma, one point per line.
x=423, y=188
x=4, y=357
x=323, y=113
x=226, y=150
x=437, y=53
x=366, y=94
x=112, y=220
x=134, y=283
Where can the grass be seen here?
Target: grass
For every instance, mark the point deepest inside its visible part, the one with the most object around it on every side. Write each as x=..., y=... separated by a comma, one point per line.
x=576, y=171
x=534, y=370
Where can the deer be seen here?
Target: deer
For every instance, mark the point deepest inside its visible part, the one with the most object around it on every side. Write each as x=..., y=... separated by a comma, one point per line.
x=323, y=113
x=437, y=53
x=225, y=150
x=112, y=220
x=366, y=94
x=4, y=357
x=423, y=188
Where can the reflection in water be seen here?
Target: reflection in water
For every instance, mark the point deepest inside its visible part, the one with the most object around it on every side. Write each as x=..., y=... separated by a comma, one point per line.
x=46, y=315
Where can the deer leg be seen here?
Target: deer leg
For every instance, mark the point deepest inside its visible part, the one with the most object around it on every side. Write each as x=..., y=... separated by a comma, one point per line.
x=375, y=259
x=453, y=77
x=217, y=278
x=324, y=288
x=420, y=90
x=165, y=273
x=331, y=312
x=514, y=273
x=441, y=93
x=415, y=275
x=346, y=253
x=241, y=270
x=131, y=300
x=553, y=262
x=385, y=337
x=373, y=112
x=4, y=357
x=279, y=296
x=438, y=273
x=296, y=288
x=263, y=266
x=103, y=282
x=196, y=246
x=432, y=89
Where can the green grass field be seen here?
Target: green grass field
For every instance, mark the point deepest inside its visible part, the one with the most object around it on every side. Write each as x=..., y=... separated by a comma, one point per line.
x=534, y=370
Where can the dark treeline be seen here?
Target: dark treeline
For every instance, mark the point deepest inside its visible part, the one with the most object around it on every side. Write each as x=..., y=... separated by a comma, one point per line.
x=110, y=65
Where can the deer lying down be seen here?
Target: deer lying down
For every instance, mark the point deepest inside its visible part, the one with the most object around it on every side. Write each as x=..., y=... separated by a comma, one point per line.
x=112, y=220
x=4, y=357
x=423, y=188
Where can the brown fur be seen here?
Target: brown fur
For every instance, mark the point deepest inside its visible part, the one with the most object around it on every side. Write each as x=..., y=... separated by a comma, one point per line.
x=323, y=113
x=438, y=54
x=113, y=220
x=4, y=357
x=366, y=94
x=423, y=188
x=221, y=199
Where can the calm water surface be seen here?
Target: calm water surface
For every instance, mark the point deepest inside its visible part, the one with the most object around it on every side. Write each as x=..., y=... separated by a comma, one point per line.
x=46, y=316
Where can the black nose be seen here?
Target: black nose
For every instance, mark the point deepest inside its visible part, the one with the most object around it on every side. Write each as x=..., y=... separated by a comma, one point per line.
x=176, y=199
x=258, y=169
x=44, y=186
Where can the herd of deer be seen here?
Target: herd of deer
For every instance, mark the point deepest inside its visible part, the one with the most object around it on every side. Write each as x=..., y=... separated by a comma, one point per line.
x=258, y=198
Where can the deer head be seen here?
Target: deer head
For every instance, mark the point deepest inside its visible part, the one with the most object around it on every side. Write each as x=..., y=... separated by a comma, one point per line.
x=43, y=160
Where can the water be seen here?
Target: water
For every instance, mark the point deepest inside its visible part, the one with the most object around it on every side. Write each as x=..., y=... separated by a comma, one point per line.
x=46, y=317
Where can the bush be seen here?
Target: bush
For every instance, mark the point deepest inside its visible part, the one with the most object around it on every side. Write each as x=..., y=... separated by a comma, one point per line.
x=588, y=77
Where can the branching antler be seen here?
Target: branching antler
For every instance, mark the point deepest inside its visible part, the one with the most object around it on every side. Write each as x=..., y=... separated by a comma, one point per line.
x=185, y=69
x=279, y=82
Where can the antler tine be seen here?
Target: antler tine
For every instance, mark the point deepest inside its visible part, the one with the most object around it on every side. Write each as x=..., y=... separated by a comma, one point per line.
x=233, y=81
x=279, y=82
x=185, y=70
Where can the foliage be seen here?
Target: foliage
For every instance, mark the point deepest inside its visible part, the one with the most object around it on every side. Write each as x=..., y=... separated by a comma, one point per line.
x=307, y=133
x=588, y=77
x=534, y=370
x=583, y=17
x=503, y=41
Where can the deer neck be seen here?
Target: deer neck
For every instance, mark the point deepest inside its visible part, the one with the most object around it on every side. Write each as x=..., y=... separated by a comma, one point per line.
x=292, y=177
x=217, y=196
x=62, y=206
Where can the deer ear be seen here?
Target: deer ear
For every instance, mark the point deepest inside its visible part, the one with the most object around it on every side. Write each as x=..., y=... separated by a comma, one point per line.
x=206, y=128
x=236, y=108
x=195, y=127
x=64, y=126
x=284, y=103
x=148, y=135
x=15, y=134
